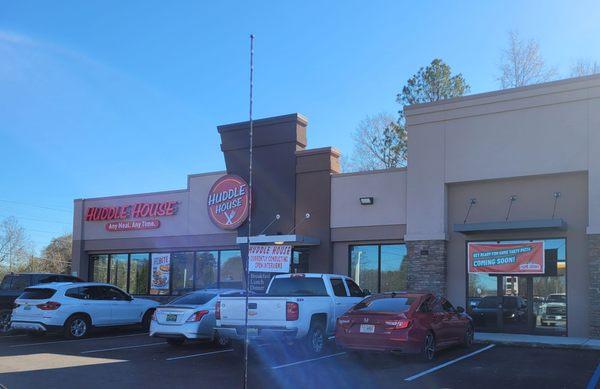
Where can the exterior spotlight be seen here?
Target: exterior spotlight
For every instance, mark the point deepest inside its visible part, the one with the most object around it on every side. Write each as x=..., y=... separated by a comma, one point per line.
x=366, y=201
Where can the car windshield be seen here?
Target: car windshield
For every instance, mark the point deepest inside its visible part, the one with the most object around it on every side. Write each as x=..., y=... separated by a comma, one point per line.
x=297, y=286
x=5, y=285
x=37, y=293
x=556, y=298
x=489, y=302
x=15, y=282
x=194, y=299
x=385, y=304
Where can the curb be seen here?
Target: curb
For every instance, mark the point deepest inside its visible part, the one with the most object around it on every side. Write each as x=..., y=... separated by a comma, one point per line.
x=539, y=345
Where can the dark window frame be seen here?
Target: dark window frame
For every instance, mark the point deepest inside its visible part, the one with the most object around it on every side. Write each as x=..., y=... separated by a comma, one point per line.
x=379, y=245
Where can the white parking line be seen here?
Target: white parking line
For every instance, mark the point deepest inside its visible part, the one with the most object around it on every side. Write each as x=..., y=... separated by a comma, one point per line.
x=414, y=377
x=122, y=348
x=199, y=355
x=75, y=340
x=306, y=361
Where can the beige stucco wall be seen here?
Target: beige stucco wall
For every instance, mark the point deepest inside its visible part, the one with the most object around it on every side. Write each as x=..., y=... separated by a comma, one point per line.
x=388, y=189
x=191, y=218
x=534, y=201
x=543, y=129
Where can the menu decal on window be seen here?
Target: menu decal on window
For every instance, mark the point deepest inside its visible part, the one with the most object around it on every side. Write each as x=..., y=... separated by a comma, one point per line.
x=161, y=272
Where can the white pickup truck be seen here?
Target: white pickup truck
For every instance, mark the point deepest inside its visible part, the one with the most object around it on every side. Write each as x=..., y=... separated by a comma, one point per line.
x=296, y=307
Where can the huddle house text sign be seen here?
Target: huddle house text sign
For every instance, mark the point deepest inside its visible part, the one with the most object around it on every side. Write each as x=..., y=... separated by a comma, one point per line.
x=137, y=216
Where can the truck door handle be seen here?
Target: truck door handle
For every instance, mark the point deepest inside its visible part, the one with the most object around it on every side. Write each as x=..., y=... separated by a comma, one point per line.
x=338, y=303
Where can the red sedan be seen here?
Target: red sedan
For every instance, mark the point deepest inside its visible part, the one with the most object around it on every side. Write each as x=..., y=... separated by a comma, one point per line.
x=406, y=323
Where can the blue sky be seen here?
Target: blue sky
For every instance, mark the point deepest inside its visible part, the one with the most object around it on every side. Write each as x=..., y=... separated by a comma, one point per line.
x=110, y=97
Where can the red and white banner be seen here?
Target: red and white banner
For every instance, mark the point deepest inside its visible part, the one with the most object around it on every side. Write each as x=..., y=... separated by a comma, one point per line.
x=507, y=258
x=269, y=258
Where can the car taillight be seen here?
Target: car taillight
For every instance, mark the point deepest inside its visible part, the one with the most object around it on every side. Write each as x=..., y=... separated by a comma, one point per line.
x=397, y=324
x=218, y=311
x=291, y=311
x=49, y=306
x=344, y=321
x=197, y=316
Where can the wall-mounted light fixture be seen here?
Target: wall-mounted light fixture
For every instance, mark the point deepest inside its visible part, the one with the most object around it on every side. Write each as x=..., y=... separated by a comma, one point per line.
x=366, y=201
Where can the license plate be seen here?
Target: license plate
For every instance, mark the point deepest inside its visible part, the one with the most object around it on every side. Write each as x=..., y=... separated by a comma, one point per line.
x=171, y=317
x=558, y=317
x=27, y=307
x=367, y=328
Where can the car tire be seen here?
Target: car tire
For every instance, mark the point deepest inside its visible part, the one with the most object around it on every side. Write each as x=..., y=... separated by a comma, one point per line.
x=5, y=315
x=175, y=341
x=315, y=339
x=77, y=327
x=221, y=341
x=147, y=319
x=429, y=347
x=468, y=337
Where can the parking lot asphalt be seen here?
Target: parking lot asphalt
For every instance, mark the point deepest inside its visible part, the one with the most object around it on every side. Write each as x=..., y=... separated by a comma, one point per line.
x=129, y=358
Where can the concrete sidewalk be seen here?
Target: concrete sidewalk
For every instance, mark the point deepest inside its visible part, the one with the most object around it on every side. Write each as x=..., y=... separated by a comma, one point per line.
x=538, y=341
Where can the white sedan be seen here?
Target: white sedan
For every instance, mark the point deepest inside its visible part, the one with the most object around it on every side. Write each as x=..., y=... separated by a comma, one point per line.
x=190, y=317
x=74, y=308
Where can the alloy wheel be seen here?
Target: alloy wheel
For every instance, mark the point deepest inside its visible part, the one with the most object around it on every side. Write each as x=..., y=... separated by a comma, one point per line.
x=429, y=347
x=4, y=320
x=317, y=341
x=469, y=336
x=78, y=328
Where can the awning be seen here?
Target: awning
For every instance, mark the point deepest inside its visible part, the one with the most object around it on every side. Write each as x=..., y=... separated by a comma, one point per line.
x=294, y=240
x=507, y=226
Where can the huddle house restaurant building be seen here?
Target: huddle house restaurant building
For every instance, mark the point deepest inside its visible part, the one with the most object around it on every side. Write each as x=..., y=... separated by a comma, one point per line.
x=498, y=209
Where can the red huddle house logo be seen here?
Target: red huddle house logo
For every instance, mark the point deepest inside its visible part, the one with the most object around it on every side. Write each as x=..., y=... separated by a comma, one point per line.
x=229, y=202
x=119, y=217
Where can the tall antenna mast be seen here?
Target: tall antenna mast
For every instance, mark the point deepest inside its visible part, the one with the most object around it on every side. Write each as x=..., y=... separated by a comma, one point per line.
x=249, y=216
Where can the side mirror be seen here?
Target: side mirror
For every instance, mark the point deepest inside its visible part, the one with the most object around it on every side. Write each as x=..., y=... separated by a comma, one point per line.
x=366, y=292
x=460, y=310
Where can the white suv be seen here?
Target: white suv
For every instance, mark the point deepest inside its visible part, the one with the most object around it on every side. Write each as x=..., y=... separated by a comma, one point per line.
x=73, y=308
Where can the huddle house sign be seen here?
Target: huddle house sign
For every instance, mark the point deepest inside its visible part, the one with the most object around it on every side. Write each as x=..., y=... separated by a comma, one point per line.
x=126, y=217
x=229, y=202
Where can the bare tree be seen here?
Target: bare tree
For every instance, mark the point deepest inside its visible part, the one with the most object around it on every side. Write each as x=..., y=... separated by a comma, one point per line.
x=379, y=143
x=522, y=63
x=585, y=67
x=56, y=257
x=15, y=247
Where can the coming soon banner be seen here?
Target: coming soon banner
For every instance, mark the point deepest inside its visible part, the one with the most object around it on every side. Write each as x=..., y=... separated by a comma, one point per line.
x=506, y=258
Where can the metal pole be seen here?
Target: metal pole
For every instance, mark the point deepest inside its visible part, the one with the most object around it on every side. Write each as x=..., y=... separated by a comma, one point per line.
x=247, y=275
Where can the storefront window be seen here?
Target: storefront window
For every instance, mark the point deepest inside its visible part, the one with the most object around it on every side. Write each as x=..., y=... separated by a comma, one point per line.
x=139, y=267
x=364, y=266
x=379, y=268
x=523, y=303
x=393, y=267
x=207, y=265
x=99, y=268
x=182, y=273
x=232, y=270
x=118, y=270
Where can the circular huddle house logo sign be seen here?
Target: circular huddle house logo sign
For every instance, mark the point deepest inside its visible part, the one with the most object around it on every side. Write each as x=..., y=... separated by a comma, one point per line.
x=229, y=202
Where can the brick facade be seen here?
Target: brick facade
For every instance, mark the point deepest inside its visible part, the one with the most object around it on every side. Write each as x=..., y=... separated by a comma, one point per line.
x=594, y=265
x=427, y=261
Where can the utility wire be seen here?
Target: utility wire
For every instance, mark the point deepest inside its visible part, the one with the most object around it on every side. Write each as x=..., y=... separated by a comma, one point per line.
x=37, y=206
